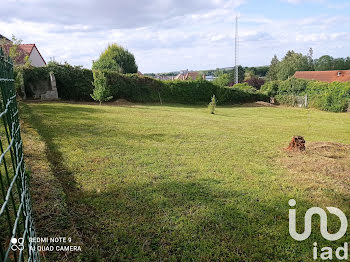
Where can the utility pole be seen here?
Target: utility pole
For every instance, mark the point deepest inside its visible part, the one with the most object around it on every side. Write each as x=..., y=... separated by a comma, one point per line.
x=236, y=52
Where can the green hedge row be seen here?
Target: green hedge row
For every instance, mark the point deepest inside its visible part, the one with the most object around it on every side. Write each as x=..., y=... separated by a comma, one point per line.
x=333, y=97
x=75, y=83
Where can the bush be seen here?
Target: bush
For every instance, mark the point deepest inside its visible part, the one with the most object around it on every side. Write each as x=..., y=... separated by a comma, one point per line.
x=188, y=92
x=333, y=97
x=255, y=82
x=75, y=83
x=270, y=88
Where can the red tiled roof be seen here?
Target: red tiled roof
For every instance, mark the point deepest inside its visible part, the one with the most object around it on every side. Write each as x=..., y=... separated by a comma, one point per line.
x=27, y=48
x=186, y=76
x=23, y=51
x=325, y=76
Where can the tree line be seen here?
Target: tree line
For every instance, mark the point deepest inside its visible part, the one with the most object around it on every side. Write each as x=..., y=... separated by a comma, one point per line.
x=292, y=62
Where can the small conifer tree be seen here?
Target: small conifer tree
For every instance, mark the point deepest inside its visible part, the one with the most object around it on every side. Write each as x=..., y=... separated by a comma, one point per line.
x=212, y=105
x=100, y=92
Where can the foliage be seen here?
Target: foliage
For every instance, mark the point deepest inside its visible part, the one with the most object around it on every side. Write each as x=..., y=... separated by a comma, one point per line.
x=222, y=80
x=101, y=91
x=327, y=62
x=272, y=73
x=19, y=83
x=333, y=97
x=255, y=82
x=212, y=105
x=14, y=51
x=75, y=83
x=270, y=88
x=291, y=63
x=116, y=58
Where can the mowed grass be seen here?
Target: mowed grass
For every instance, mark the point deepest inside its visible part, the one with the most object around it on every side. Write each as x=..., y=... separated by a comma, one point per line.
x=175, y=183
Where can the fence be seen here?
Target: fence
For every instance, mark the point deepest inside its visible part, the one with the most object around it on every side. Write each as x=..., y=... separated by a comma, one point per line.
x=16, y=222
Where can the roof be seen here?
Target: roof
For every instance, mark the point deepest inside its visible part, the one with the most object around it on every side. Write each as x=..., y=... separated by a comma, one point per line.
x=24, y=50
x=186, y=76
x=3, y=37
x=324, y=76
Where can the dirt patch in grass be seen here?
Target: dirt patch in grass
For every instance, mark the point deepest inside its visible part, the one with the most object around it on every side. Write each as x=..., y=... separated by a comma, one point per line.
x=258, y=104
x=122, y=102
x=322, y=166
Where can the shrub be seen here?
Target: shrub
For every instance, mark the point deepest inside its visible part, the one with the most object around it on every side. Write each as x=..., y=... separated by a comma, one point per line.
x=255, y=82
x=101, y=92
x=270, y=88
x=75, y=83
x=332, y=97
x=212, y=105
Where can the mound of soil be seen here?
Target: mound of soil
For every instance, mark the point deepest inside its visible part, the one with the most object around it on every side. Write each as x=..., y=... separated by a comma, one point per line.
x=262, y=103
x=123, y=102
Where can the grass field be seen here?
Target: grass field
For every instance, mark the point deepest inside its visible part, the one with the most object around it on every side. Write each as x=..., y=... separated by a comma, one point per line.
x=174, y=183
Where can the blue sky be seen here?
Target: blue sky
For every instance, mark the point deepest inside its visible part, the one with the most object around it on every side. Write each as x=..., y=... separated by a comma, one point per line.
x=169, y=35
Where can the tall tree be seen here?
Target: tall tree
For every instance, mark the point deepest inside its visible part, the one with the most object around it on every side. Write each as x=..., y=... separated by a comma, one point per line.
x=116, y=58
x=272, y=73
x=310, y=59
x=291, y=63
x=325, y=62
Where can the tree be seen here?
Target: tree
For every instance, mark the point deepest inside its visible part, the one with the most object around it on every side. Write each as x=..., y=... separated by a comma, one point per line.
x=272, y=73
x=255, y=82
x=212, y=105
x=325, y=62
x=116, y=58
x=291, y=63
x=13, y=50
x=100, y=92
x=222, y=80
x=310, y=59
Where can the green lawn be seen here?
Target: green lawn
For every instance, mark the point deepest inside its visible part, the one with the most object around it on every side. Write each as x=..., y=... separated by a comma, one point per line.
x=174, y=183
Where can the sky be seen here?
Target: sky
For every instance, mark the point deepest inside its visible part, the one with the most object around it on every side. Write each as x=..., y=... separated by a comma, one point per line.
x=172, y=35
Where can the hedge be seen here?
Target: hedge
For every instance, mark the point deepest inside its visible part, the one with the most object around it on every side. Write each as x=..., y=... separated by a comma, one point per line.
x=75, y=83
x=333, y=97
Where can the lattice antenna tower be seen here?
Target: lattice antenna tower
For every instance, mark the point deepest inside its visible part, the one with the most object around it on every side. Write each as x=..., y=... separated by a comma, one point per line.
x=236, y=52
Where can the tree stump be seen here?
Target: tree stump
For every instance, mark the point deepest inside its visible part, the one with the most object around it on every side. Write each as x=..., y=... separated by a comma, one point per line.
x=297, y=144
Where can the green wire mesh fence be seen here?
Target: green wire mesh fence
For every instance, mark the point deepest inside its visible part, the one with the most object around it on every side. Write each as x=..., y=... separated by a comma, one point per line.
x=16, y=222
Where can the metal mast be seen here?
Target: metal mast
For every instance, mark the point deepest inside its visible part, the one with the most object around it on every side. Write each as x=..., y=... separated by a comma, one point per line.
x=236, y=52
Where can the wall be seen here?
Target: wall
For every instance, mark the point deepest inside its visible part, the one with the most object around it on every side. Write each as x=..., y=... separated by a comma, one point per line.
x=36, y=59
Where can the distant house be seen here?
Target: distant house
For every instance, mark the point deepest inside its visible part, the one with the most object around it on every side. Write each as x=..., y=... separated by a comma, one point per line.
x=3, y=38
x=186, y=75
x=24, y=50
x=324, y=76
x=164, y=77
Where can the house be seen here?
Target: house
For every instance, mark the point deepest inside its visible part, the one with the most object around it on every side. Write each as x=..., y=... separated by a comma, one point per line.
x=34, y=56
x=186, y=75
x=24, y=50
x=3, y=38
x=324, y=76
x=163, y=77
